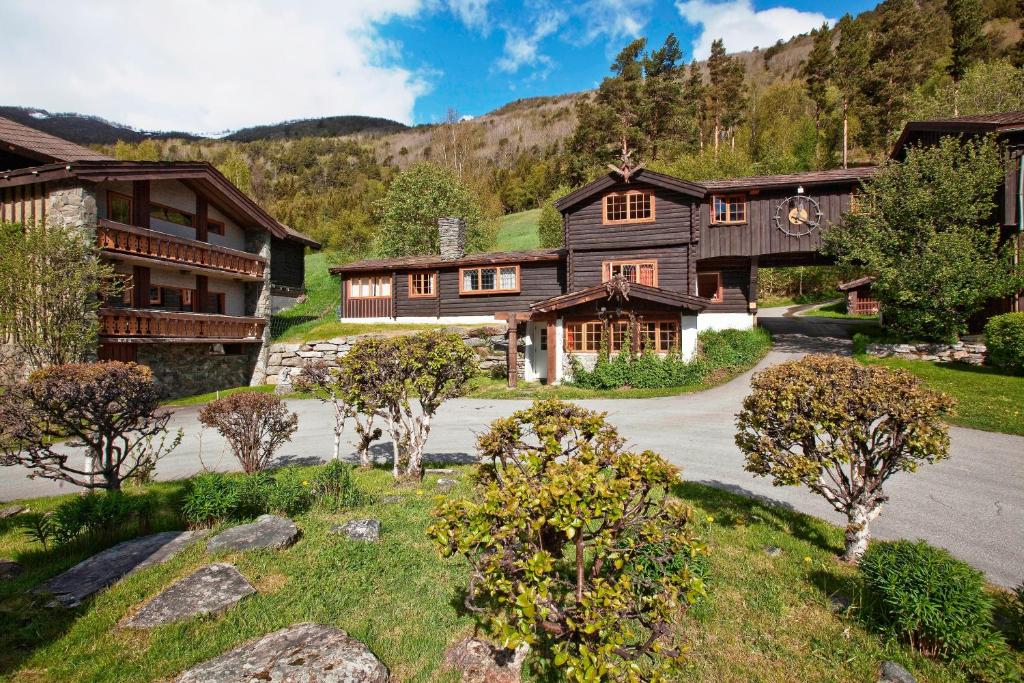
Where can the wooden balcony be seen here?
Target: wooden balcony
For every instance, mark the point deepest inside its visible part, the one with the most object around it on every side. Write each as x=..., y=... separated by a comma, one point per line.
x=141, y=244
x=138, y=325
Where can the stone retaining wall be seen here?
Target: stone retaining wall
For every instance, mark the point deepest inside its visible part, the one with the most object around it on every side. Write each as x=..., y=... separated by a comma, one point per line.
x=286, y=360
x=972, y=353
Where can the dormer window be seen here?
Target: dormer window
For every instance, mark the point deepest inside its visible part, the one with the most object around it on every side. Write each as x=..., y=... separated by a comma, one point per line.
x=634, y=206
x=728, y=209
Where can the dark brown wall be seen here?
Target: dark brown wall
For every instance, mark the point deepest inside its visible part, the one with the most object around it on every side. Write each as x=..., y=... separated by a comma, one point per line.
x=287, y=263
x=735, y=283
x=759, y=235
x=673, y=265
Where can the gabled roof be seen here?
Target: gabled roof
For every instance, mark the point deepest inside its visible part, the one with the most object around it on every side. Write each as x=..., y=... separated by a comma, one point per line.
x=854, y=284
x=810, y=178
x=633, y=291
x=43, y=147
x=642, y=176
x=435, y=261
x=300, y=237
x=979, y=124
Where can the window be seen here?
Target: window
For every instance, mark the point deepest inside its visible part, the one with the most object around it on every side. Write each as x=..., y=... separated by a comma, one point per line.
x=709, y=286
x=119, y=207
x=171, y=215
x=644, y=272
x=583, y=337
x=156, y=296
x=633, y=206
x=127, y=284
x=661, y=336
x=489, y=279
x=728, y=209
x=214, y=226
x=422, y=285
x=544, y=339
x=620, y=336
x=371, y=287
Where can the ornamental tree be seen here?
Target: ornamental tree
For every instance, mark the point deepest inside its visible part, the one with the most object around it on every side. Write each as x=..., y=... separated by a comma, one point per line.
x=109, y=410
x=343, y=388
x=575, y=545
x=841, y=429
x=407, y=379
x=254, y=424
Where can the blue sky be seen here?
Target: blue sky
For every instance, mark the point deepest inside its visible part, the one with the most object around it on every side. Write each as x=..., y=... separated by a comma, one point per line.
x=209, y=66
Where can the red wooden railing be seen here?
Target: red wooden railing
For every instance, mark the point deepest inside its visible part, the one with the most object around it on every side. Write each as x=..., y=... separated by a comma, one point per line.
x=128, y=239
x=376, y=307
x=130, y=322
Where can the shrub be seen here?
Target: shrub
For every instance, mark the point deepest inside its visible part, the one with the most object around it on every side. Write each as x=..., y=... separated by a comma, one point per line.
x=288, y=494
x=936, y=603
x=860, y=343
x=574, y=545
x=100, y=516
x=841, y=429
x=255, y=426
x=1004, y=339
x=110, y=410
x=333, y=488
x=211, y=498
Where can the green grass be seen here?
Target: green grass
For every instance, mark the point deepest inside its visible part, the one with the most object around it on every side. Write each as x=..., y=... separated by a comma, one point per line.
x=986, y=399
x=836, y=309
x=323, y=294
x=199, y=399
x=766, y=618
x=518, y=231
x=779, y=301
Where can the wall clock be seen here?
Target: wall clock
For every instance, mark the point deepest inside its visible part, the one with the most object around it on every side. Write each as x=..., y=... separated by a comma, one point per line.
x=798, y=215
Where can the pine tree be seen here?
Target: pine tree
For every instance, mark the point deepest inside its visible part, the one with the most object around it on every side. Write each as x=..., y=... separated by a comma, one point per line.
x=817, y=71
x=966, y=19
x=695, y=102
x=848, y=69
x=663, y=94
x=726, y=101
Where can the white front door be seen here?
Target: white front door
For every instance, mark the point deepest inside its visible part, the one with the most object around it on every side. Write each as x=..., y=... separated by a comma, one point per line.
x=539, y=335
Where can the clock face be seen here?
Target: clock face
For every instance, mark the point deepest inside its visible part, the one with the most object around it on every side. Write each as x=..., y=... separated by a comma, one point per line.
x=798, y=215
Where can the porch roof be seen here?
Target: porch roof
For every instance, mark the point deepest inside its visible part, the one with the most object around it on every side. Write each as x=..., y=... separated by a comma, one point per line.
x=624, y=291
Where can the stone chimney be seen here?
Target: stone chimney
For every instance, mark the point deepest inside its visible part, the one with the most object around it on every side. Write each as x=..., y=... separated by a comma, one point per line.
x=452, y=231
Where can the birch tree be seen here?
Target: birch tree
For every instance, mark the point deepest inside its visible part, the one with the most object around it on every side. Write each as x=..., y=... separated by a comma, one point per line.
x=842, y=430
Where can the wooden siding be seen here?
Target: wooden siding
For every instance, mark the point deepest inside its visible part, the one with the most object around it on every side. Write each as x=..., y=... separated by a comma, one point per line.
x=287, y=263
x=25, y=204
x=759, y=235
x=673, y=266
x=735, y=283
x=674, y=211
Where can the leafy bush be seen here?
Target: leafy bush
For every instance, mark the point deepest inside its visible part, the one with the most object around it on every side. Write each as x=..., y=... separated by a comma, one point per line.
x=95, y=516
x=254, y=424
x=1004, y=339
x=938, y=604
x=289, y=494
x=334, y=489
x=860, y=343
x=1015, y=607
x=575, y=546
x=212, y=497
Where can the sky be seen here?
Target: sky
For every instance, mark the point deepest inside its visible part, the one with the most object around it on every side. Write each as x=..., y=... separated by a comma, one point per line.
x=210, y=66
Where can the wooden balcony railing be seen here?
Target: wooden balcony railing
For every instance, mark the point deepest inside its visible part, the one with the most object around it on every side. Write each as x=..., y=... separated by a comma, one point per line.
x=179, y=251
x=147, y=324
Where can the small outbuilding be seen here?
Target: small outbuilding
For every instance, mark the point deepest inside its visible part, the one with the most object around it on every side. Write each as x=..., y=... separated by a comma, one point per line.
x=860, y=300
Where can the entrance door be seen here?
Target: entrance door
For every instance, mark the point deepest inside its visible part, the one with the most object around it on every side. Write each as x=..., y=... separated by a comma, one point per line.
x=539, y=336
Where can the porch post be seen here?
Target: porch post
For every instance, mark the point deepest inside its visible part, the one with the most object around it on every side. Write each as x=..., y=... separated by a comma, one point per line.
x=752, y=305
x=553, y=350
x=512, y=357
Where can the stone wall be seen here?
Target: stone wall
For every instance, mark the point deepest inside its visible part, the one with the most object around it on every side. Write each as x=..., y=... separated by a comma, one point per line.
x=189, y=369
x=972, y=353
x=73, y=207
x=286, y=360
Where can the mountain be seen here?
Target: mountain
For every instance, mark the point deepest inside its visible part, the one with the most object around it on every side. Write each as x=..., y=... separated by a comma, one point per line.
x=326, y=127
x=84, y=129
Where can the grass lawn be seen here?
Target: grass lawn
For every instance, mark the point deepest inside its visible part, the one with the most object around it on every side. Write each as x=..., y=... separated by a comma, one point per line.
x=766, y=618
x=323, y=294
x=779, y=301
x=320, y=330
x=518, y=231
x=986, y=399
x=836, y=309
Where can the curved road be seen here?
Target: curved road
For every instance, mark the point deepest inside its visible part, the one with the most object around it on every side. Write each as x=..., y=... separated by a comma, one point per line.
x=972, y=503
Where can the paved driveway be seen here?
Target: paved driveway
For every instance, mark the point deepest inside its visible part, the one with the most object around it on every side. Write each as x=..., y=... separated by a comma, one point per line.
x=972, y=503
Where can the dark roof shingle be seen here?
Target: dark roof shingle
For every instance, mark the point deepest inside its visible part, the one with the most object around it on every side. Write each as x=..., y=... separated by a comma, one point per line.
x=49, y=148
x=836, y=175
x=433, y=260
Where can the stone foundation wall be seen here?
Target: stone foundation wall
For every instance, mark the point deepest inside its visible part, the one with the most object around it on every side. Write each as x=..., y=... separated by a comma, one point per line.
x=189, y=369
x=972, y=353
x=286, y=360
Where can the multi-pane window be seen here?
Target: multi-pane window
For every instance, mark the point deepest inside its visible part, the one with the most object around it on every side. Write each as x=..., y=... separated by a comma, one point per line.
x=119, y=207
x=171, y=215
x=488, y=279
x=729, y=209
x=543, y=339
x=369, y=287
x=628, y=207
x=214, y=226
x=583, y=337
x=422, y=285
x=660, y=336
x=644, y=272
x=709, y=286
x=619, y=336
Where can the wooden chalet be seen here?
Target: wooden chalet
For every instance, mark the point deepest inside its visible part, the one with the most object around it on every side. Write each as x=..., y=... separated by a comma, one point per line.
x=203, y=266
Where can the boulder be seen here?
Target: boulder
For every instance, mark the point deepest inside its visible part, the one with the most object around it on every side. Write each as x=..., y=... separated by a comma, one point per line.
x=207, y=590
x=446, y=484
x=103, y=569
x=9, y=569
x=481, y=662
x=303, y=653
x=359, y=529
x=11, y=510
x=268, y=531
x=391, y=500
x=772, y=550
x=892, y=672
x=438, y=470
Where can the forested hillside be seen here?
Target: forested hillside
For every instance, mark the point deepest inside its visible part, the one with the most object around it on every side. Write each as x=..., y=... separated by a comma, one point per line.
x=780, y=109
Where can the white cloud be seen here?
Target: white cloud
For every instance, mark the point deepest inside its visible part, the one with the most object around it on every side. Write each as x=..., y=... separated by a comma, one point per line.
x=616, y=20
x=472, y=13
x=522, y=48
x=742, y=27
x=207, y=65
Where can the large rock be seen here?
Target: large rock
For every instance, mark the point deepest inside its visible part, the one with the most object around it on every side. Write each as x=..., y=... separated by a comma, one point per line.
x=11, y=510
x=894, y=673
x=208, y=590
x=268, y=531
x=103, y=569
x=481, y=662
x=9, y=569
x=359, y=529
x=303, y=653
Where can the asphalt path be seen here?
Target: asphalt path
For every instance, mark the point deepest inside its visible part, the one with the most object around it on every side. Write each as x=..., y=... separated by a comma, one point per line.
x=971, y=504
